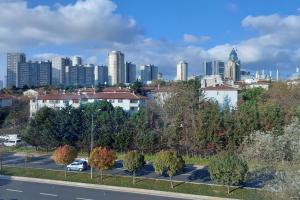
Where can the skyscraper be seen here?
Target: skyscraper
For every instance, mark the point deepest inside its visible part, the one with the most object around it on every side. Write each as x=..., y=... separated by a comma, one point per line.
x=58, y=69
x=233, y=67
x=1, y=84
x=89, y=75
x=149, y=73
x=116, y=68
x=182, y=71
x=13, y=59
x=45, y=73
x=101, y=75
x=76, y=60
x=130, y=72
x=215, y=67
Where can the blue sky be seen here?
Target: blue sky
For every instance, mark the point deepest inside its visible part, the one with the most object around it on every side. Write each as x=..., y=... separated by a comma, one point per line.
x=161, y=32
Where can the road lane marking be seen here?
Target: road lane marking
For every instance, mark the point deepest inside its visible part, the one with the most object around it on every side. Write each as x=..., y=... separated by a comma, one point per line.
x=79, y=198
x=11, y=190
x=46, y=194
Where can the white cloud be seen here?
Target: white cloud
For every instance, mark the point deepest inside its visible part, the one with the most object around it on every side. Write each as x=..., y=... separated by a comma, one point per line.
x=84, y=21
x=189, y=38
x=94, y=28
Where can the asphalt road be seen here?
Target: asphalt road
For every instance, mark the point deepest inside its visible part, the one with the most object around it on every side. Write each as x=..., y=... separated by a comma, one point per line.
x=190, y=173
x=19, y=190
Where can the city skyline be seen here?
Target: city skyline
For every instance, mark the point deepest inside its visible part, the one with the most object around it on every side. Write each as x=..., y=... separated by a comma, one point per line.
x=264, y=37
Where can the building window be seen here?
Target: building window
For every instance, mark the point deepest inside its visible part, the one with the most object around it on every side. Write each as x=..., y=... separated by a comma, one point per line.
x=44, y=101
x=133, y=109
x=75, y=101
x=134, y=101
x=66, y=101
x=112, y=101
x=120, y=100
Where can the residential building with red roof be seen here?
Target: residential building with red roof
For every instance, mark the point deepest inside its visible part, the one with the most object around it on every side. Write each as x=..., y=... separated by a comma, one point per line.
x=5, y=100
x=128, y=101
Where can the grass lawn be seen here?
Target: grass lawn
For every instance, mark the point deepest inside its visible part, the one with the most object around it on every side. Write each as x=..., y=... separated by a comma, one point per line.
x=161, y=185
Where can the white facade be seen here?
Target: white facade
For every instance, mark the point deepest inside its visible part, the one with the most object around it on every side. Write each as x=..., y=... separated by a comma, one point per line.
x=116, y=68
x=76, y=60
x=211, y=80
x=222, y=94
x=182, y=71
x=128, y=101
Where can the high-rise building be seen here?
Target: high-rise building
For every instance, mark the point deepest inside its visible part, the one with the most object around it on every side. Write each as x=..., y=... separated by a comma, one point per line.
x=45, y=73
x=58, y=69
x=34, y=74
x=80, y=76
x=130, y=72
x=149, y=73
x=89, y=75
x=182, y=71
x=215, y=67
x=13, y=59
x=76, y=60
x=101, y=75
x=233, y=67
x=116, y=68
x=24, y=70
x=1, y=84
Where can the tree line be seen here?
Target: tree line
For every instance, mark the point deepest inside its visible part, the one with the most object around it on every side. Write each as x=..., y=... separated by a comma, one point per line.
x=186, y=122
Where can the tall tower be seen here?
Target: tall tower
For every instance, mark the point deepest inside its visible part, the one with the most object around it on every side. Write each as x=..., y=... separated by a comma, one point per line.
x=76, y=60
x=13, y=59
x=58, y=69
x=116, y=68
x=233, y=67
x=182, y=71
x=130, y=72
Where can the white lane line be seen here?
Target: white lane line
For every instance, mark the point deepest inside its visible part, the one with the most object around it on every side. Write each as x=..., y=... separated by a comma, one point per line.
x=79, y=198
x=11, y=190
x=46, y=194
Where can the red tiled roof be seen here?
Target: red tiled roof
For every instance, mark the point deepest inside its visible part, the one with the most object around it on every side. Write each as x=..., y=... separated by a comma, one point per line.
x=115, y=89
x=117, y=95
x=100, y=95
x=5, y=96
x=221, y=87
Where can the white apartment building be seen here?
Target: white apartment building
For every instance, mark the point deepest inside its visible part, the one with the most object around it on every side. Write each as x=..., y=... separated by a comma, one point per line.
x=211, y=80
x=125, y=99
x=222, y=94
x=182, y=71
x=116, y=68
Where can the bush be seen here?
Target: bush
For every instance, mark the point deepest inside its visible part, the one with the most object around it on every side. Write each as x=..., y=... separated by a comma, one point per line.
x=228, y=169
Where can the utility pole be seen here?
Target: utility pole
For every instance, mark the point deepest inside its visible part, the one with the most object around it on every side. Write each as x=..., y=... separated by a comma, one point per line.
x=92, y=140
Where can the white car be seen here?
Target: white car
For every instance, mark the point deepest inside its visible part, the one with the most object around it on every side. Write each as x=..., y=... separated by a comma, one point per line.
x=78, y=165
x=12, y=142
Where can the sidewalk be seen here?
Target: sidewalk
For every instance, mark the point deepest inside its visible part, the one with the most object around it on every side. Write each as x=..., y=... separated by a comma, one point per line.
x=114, y=188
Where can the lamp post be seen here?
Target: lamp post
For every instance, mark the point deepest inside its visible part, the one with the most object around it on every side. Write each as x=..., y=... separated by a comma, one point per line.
x=92, y=140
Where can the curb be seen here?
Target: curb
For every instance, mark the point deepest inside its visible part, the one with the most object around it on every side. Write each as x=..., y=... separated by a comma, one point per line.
x=115, y=188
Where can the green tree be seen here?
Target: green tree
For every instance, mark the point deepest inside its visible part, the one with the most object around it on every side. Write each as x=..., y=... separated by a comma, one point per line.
x=42, y=129
x=134, y=162
x=228, y=169
x=170, y=162
x=103, y=159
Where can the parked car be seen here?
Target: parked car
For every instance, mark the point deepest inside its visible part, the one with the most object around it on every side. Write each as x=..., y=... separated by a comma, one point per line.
x=12, y=142
x=78, y=165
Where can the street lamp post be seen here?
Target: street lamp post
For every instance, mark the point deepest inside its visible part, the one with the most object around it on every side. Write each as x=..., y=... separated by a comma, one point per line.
x=92, y=140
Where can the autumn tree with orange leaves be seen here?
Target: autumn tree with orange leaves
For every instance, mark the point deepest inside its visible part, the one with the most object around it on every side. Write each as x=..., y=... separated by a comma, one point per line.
x=102, y=158
x=65, y=155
